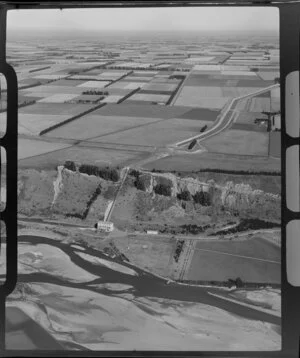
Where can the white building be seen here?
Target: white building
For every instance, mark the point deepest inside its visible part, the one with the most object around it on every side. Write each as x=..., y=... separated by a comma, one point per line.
x=276, y=122
x=152, y=232
x=105, y=226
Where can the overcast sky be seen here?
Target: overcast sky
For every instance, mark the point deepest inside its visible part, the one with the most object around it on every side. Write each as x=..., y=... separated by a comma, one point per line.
x=157, y=19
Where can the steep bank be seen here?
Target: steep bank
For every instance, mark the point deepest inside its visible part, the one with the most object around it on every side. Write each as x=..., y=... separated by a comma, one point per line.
x=147, y=200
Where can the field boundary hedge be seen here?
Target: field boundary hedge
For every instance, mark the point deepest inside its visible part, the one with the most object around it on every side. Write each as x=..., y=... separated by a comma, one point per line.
x=40, y=69
x=230, y=284
x=221, y=171
x=57, y=125
x=129, y=95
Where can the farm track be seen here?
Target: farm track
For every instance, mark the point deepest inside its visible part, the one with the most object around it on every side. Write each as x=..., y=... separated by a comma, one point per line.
x=189, y=252
x=124, y=176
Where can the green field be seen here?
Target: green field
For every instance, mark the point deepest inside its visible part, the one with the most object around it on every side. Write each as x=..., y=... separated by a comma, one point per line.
x=158, y=134
x=97, y=156
x=91, y=126
x=152, y=253
x=151, y=111
x=28, y=148
x=238, y=141
x=196, y=161
x=220, y=261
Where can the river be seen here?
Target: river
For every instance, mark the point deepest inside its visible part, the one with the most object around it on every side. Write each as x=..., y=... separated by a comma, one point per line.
x=144, y=284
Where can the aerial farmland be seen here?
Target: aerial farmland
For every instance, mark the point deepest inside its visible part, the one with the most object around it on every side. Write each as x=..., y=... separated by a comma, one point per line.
x=154, y=161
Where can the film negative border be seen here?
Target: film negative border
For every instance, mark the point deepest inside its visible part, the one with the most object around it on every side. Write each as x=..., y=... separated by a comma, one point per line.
x=289, y=70
x=9, y=143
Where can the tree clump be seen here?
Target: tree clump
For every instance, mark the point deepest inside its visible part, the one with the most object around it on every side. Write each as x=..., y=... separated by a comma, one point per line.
x=70, y=165
x=184, y=195
x=202, y=198
x=163, y=189
x=104, y=173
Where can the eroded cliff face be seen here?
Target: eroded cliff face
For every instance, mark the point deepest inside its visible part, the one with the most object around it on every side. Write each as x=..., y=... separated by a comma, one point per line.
x=66, y=192
x=246, y=202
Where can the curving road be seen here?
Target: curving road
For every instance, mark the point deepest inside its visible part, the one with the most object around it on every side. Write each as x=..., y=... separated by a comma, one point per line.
x=226, y=119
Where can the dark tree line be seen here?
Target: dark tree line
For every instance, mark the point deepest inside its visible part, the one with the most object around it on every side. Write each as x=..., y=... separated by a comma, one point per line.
x=178, y=250
x=104, y=173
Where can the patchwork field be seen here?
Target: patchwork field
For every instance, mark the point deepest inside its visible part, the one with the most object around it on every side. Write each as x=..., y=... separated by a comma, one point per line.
x=150, y=111
x=58, y=98
x=94, y=125
x=67, y=82
x=56, y=109
x=238, y=141
x=45, y=89
x=157, y=98
x=28, y=148
x=163, y=87
x=126, y=85
x=191, y=96
x=50, y=76
x=87, y=155
x=94, y=84
x=223, y=260
x=159, y=133
x=195, y=162
x=34, y=123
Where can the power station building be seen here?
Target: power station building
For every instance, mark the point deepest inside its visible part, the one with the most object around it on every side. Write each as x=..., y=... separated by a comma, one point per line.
x=105, y=226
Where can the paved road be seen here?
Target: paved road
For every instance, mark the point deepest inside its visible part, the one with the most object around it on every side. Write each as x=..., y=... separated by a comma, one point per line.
x=226, y=119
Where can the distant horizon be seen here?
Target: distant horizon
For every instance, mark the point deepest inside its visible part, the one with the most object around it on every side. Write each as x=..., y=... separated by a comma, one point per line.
x=161, y=19
x=54, y=34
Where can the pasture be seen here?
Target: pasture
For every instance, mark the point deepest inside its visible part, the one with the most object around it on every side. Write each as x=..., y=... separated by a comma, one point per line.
x=196, y=161
x=146, y=251
x=159, y=133
x=94, y=84
x=112, y=99
x=58, y=98
x=56, y=109
x=235, y=141
x=126, y=85
x=94, y=125
x=66, y=83
x=28, y=148
x=54, y=89
x=35, y=123
x=221, y=261
x=200, y=114
x=268, y=75
x=197, y=97
x=148, y=97
x=275, y=144
x=163, y=87
x=138, y=78
x=97, y=156
x=50, y=76
x=133, y=110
